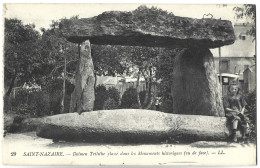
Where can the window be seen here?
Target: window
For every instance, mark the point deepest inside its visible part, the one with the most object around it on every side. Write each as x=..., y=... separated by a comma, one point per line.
x=224, y=66
x=242, y=36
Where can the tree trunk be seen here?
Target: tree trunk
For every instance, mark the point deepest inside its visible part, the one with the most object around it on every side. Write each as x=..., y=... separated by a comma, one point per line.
x=11, y=85
x=146, y=93
x=147, y=86
x=95, y=84
x=64, y=85
x=137, y=90
x=151, y=96
x=195, y=88
x=83, y=96
x=150, y=91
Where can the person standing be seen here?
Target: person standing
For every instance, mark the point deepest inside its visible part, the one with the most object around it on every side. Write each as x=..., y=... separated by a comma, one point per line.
x=157, y=103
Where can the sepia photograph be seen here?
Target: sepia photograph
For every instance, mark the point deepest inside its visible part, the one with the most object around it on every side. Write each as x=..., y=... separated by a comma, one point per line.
x=129, y=84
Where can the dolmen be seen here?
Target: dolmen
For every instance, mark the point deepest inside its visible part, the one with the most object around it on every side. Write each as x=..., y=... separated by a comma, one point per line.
x=198, y=112
x=195, y=89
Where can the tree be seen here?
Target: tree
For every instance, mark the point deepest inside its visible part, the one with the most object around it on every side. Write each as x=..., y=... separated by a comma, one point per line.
x=143, y=60
x=164, y=70
x=247, y=11
x=60, y=57
x=21, y=53
x=109, y=60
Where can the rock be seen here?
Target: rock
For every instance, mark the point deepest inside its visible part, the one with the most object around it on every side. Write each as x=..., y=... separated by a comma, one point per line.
x=83, y=96
x=149, y=28
x=30, y=124
x=16, y=125
x=20, y=123
x=132, y=126
x=8, y=120
x=195, y=87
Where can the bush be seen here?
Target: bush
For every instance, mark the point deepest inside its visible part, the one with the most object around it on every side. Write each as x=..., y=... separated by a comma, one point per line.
x=101, y=96
x=167, y=106
x=55, y=101
x=106, y=99
x=40, y=102
x=54, y=88
x=142, y=96
x=110, y=104
x=251, y=114
x=114, y=94
x=129, y=99
x=31, y=102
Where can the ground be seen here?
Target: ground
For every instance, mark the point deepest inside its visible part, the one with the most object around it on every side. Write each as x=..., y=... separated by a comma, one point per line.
x=24, y=146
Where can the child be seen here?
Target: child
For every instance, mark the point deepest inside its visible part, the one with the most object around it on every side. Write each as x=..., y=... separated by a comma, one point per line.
x=157, y=103
x=234, y=105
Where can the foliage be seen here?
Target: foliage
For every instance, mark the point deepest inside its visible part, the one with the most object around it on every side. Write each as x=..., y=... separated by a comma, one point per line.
x=21, y=54
x=142, y=96
x=129, y=99
x=247, y=11
x=166, y=105
x=54, y=88
x=114, y=94
x=110, y=104
x=164, y=72
x=100, y=97
x=54, y=48
x=40, y=102
x=106, y=99
x=31, y=102
x=31, y=57
x=109, y=60
x=251, y=114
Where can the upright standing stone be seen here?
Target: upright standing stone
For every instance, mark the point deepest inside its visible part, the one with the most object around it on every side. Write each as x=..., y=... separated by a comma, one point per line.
x=83, y=96
x=195, y=88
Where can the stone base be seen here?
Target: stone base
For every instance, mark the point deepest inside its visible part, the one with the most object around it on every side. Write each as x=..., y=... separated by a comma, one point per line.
x=133, y=126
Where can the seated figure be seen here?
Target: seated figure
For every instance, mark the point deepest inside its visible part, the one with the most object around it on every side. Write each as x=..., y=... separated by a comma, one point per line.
x=234, y=105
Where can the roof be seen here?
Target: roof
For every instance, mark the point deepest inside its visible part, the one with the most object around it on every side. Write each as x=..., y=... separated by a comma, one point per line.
x=106, y=80
x=229, y=75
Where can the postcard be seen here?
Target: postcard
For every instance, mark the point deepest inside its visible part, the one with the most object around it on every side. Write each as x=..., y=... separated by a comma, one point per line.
x=129, y=84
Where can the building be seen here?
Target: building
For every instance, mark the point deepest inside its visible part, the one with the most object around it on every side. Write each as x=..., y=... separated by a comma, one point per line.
x=122, y=83
x=238, y=57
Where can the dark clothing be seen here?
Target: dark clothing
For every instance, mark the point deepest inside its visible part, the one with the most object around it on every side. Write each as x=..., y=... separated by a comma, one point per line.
x=157, y=107
x=236, y=102
x=157, y=104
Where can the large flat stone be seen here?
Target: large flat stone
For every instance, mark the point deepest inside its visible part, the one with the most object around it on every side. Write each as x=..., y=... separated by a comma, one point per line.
x=155, y=29
x=132, y=125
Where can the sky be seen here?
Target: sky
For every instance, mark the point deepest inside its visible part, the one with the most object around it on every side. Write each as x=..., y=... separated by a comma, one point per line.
x=42, y=14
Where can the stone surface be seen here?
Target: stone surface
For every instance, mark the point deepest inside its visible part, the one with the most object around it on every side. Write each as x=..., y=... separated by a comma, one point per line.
x=83, y=96
x=132, y=125
x=149, y=28
x=195, y=86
